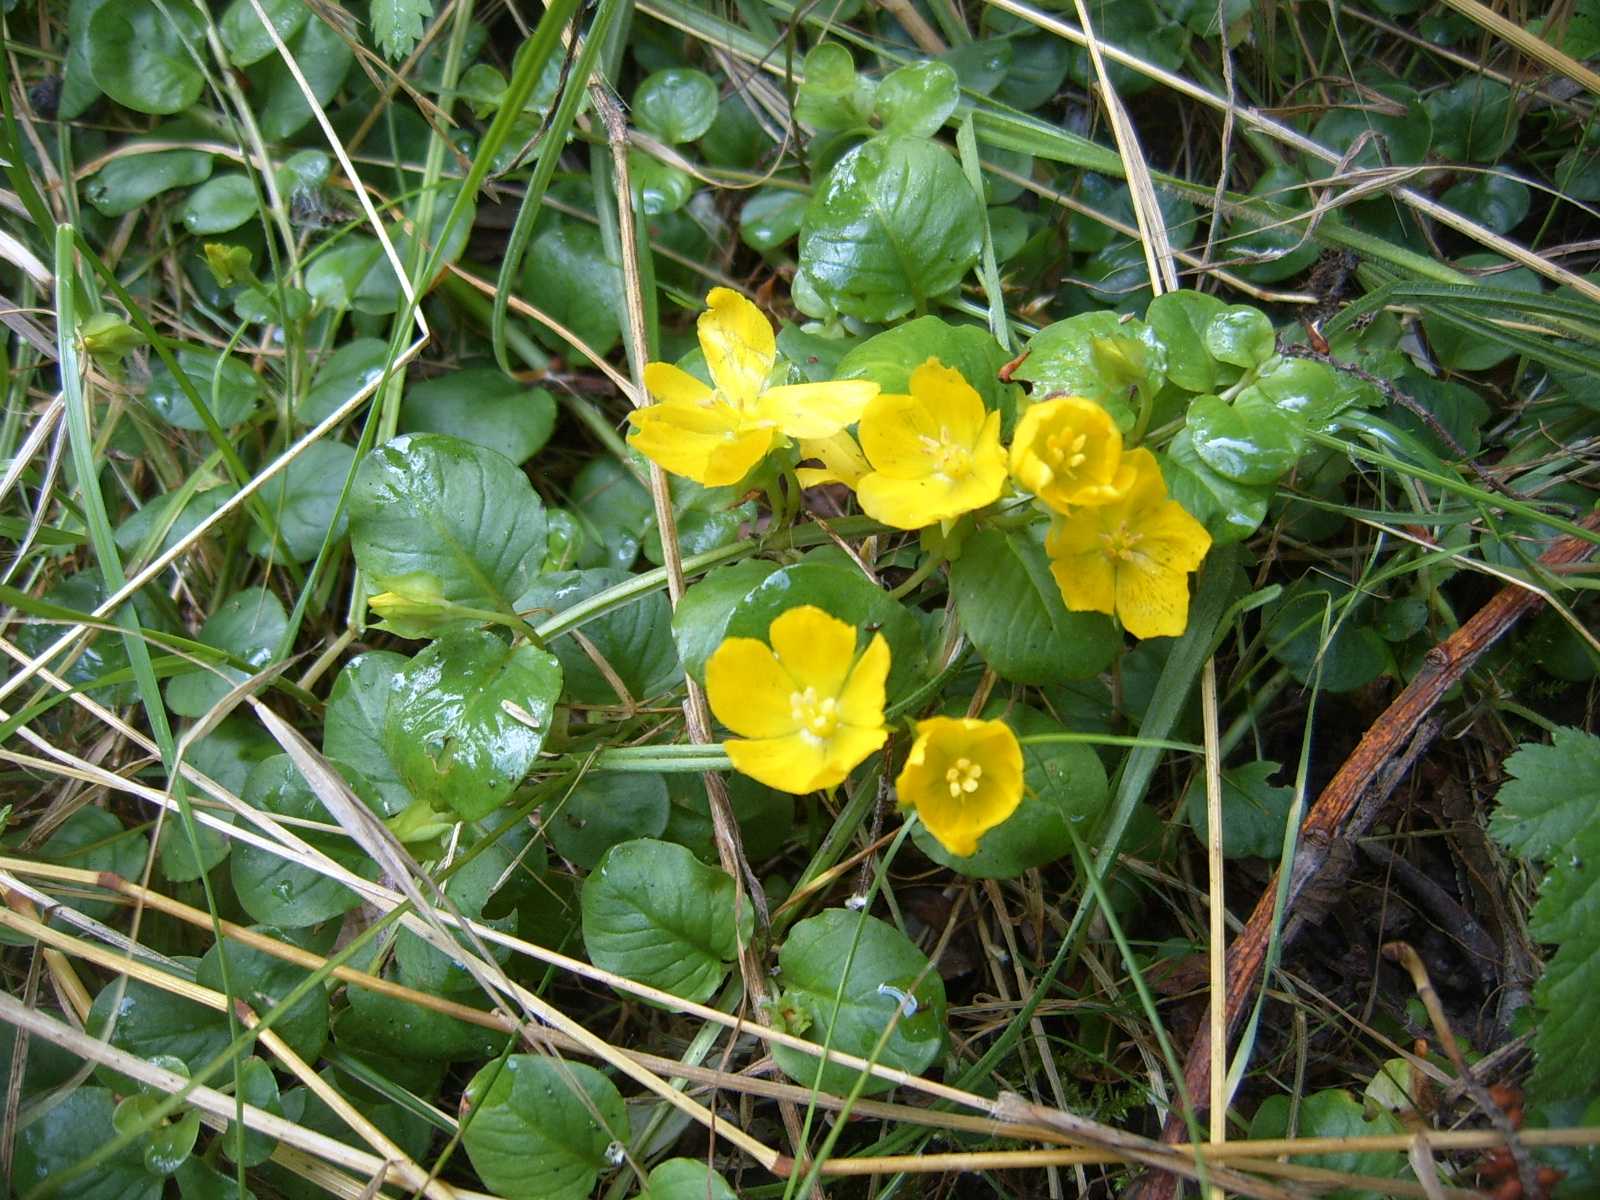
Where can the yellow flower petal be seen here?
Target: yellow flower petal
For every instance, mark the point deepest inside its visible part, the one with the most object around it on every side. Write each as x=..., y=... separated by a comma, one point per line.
x=739, y=345
x=954, y=402
x=842, y=461
x=895, y=432
x=816, y=648
x=847, y=749
x=1068, y=451
x=673, y=385
x=1088, y=581
x=796, y=763
x=817, y=410
x=862, y=698
x=1151, y=600
x=750, y=691
x=964, y=777
x=706, y=443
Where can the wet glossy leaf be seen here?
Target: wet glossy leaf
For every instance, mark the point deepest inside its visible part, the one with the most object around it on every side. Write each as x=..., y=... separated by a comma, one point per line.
x=435, y=518
x=1494, y=200
x=531, y=1137
x=606, y=809
x=470, y=888
x=302, y=499
x=660, y=187
x=167, y=1146
x=1253, y=445
x=397, y=25
x=853, y=974
x=272, y=887
x=1229, y=510
x=700, y=621
x=1310, y=393
x=1240, y=336
x=446, y=731
x=917, y=99
x=147, y=1021
x=482, y=406
x=334, y=275
x=889, y=358
x=677, y=105
x=1099, y=357
x=257, y=1086
x=222, y=203
x=893, y=225
x=654, y=913
x=346, y=371
x=1009, y=605
x=1254, y=811
x=125, y=184
x=263, y=981
x=771, y=218
x=64, y=1135
x=249, y=624
x=78, y=88
x=979, y=66
x=1278, y=252
x=143, y=56
x=833, y=97
x=247, y=39
x=352, y=729
x=1180, y=320
x=231, y=394
x=634, y=640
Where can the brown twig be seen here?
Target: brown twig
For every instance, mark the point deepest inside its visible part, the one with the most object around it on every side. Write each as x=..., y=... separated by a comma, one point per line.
x=1328, y=822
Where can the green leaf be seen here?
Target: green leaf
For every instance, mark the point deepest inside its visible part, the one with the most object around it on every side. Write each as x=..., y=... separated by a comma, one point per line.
x=125, y=184
x=378, y=1023
x=262, y=981
x=258, y=1086
x=275, y=889
x=654, y=913
x=1350, y=655
x=765, y=815
x=1463, y=349
x=568, y=274
x=700, y=621
x=1552, y=797
x=352, y=728
x=249, y=624
x=833, y=97
x=222, y=203
x=1474, y=119
x=470, y=888
x=147, y=1021
x=1254, y=812
x=64, y=1135
x=1282, y=251
x=484, y=407
x=677, y=105
x=324, y=59
x=345, y=372
x=1392, y=111
x=1009, y=605
x=1064, y=786
x=605, y=809
x=531, y=1129
x=846, y=594
x=303, y=498
x=1250, y=444
x=247, y=39
x=686, y=1179
x=894, y=224
x=851, y=973
x=1180, y=320
x=231, y=394
x=167, y=1145
x=397, y=25
x=1312, y=393
x=614, y=506
x=771, y=217
x=635, y=640
x=92, y=839
x=446, y=731
x=199, y=1180
x=435, y=518
x=334, y=274
x=1097, y=356
x=158, y=514
x=1230, y=511
x=917, y=99
x=1334, y=1113
x=143, y=56
x=1493, y=199
x=660, y=187
x=889, y=358
x=1240, y=336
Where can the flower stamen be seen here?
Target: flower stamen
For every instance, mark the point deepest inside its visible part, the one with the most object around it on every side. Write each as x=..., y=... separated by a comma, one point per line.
x=963, y=777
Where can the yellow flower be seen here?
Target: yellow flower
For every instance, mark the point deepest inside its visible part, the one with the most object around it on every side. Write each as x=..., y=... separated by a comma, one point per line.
x=964, y=777
x=1068, y=451
x=1131, y=556
x=935, y=454
x=714, y=436
x=842, y=461
x=808, y=709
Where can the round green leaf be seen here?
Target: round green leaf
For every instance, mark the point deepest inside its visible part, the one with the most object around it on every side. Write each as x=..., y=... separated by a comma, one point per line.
x=915, y=100
x=273, y=888
x=92, y=839
x=125, y=184
x=635, y=640
x=677, y=105
x=1009, y=605
x=568, y=274
x=446, y=731
x=482, y=406
x=851, y=973
x=378, y=1023
x=1309, y=393
x=148, y=1021
x=347, y=370
x=247, y=39
x=262, y=981
x=1474, y=120
x=144, y=56
x=428, y=969
x=158, y=514
x=894, y=224
x=64, y=1135
x=1393, y=112
x=846, y=594
x=435, y=518
x=249, y=625
x=833, y=97
x=1180, y=320
x=1256, y=445
x=654, y=913
x=324, y=58
x=1349, y=655
x=700, y=621
x=231, y=394
x=222, y=203
x=1494, y=199
x=1098, y=356
x=771, y=218
x=303, y=498
x=1253, y=811
x=1279, y=252
x=1064, y=787
x=167, y=1145
x=1333, y=1113
x=1230, y=511
x=352, y=727
x=258, y=1086
x=1241, y=336
x=530, y=1127
x=686, y=1179
x=606, y=809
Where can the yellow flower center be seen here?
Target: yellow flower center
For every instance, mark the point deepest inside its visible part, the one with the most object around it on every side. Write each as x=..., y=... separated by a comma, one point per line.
x=1121, y=543
x=963, y=777
x=818, y=718
x=951, y=460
